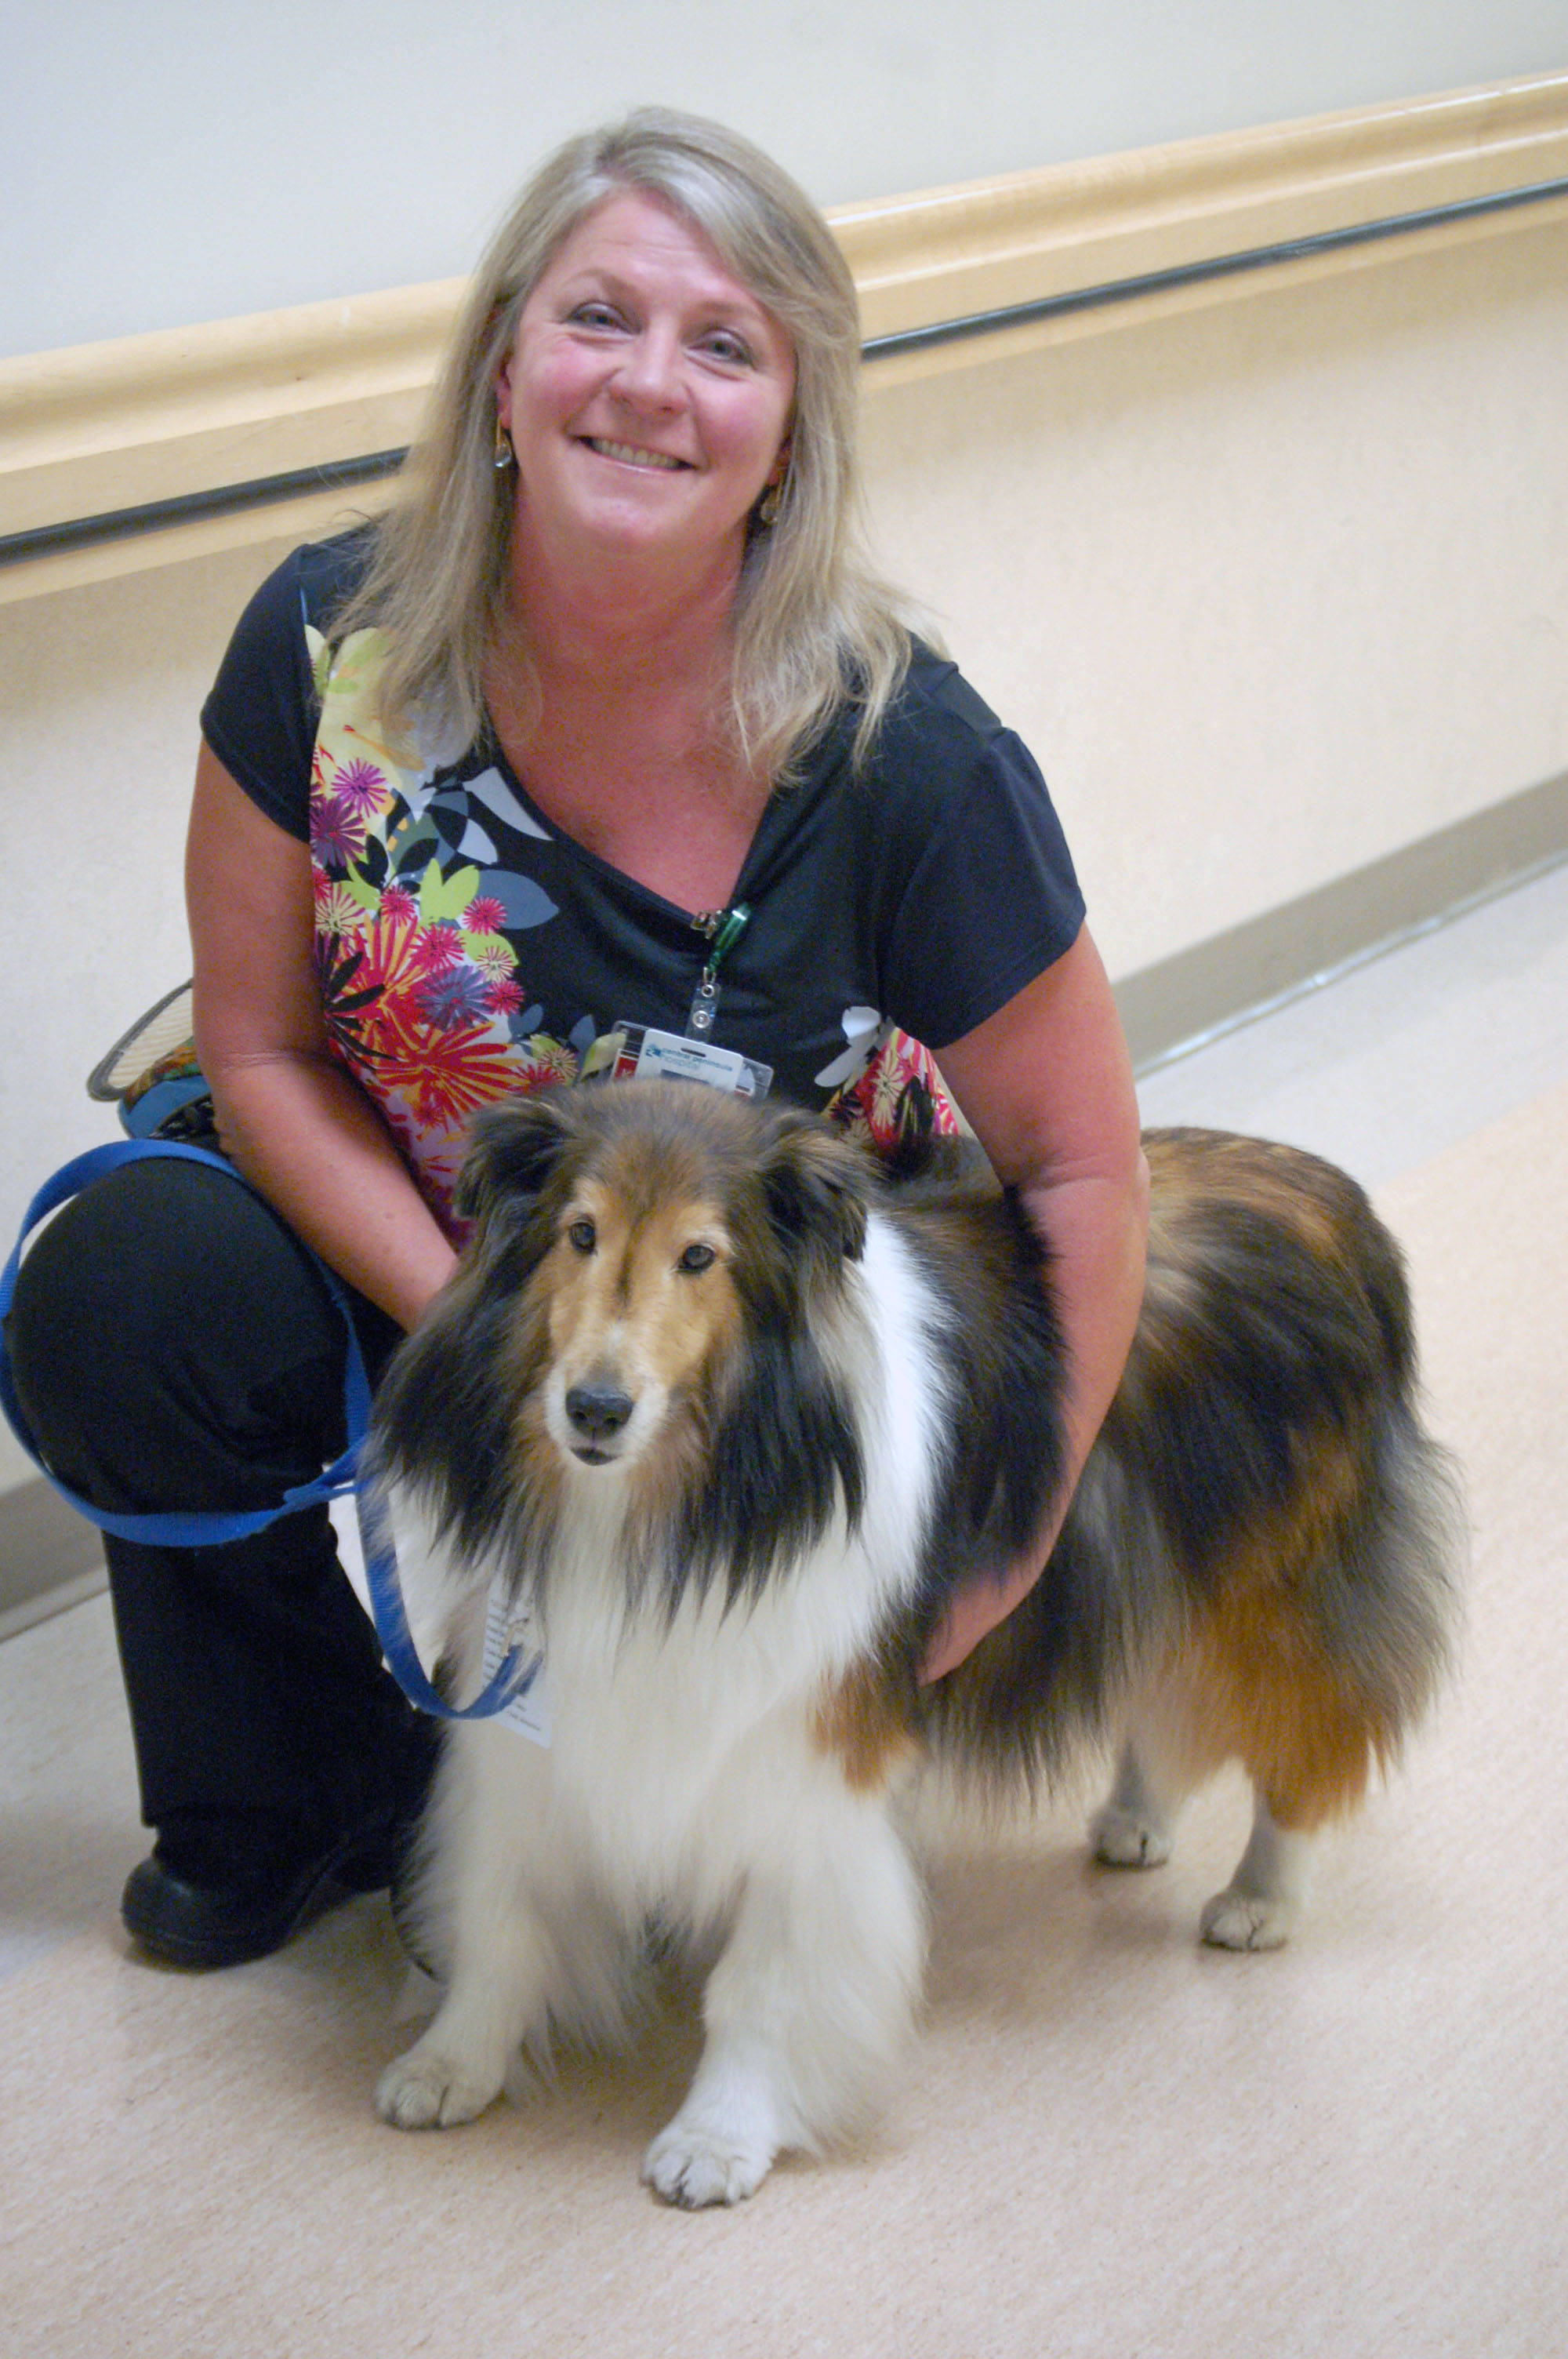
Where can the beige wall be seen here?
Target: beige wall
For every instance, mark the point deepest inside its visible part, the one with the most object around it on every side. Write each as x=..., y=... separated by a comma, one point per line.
x=1273, y=587
x=1275, y=584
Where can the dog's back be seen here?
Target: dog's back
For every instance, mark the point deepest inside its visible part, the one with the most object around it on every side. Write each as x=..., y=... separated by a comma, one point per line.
x=1260, y=1560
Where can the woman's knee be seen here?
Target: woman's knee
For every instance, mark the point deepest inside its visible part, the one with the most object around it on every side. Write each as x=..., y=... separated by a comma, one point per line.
x=168, y=1310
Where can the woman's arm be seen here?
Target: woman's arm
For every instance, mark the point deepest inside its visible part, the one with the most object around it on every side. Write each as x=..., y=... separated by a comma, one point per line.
x=289, y=1114
x=1047, y=1086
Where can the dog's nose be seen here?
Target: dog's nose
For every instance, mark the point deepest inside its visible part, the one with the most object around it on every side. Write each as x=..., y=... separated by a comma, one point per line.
x=599, y=1411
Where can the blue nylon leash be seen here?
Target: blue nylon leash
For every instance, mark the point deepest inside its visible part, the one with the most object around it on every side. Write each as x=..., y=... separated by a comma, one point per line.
x=197, y=1530
x=210, y=1528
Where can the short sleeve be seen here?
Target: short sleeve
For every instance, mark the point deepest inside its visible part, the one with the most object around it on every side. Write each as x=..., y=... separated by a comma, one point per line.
x=260, y=717
x=986, y=897
x=262, y=714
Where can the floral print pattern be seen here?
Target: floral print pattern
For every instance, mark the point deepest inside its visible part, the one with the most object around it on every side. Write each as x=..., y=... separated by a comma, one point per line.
x=416, y=933
x=898, y=1101
x=418, y=982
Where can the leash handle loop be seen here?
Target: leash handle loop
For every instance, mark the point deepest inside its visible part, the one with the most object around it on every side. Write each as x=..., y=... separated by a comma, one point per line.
x=211, y=1527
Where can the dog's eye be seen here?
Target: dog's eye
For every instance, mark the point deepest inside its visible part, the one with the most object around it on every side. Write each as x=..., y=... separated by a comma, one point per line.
x=695, y=1260
x=583, y=1236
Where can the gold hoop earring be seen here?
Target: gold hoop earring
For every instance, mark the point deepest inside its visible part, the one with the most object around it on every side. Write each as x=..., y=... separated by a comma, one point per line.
x=504, y=454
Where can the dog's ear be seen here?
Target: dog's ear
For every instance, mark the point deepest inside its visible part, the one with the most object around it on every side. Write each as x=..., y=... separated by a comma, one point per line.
x=513, y=1149
x=816, y=1186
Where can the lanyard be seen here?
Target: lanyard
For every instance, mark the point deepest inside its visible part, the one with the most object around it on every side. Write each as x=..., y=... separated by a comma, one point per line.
x=723, y=928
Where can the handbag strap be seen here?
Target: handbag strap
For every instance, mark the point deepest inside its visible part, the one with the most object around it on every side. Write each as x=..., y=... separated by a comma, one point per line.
x=211, y=1527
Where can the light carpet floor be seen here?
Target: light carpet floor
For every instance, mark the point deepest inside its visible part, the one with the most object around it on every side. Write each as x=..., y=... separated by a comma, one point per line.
x=1110, y=2141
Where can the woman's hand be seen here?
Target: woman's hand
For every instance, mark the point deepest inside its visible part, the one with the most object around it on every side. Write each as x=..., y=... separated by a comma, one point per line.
x=1047, y=1086
x=289, y=1114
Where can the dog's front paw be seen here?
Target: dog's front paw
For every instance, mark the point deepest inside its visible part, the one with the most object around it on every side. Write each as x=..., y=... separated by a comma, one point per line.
x=1234, y=1920
x=429, y=2090
x=1124, y=1838
x=695, y=2167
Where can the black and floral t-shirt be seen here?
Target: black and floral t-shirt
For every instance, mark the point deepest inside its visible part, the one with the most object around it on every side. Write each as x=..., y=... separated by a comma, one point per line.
x=468, y=948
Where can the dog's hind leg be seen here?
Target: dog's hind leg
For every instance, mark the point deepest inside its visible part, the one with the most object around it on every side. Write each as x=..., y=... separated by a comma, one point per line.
x=1263, y=1899
x=1135, y=1826
x=1308, y=1738
x=1168, y=1751
x=806, y=2011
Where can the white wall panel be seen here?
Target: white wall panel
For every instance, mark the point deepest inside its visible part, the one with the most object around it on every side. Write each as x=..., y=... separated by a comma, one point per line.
x=165, y=162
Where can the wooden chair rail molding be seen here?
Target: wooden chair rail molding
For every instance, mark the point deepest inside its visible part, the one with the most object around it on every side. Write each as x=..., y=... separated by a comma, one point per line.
x=97, y=429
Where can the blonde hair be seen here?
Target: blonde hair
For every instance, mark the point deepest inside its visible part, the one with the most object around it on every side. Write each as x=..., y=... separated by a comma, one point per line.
x=813, y=628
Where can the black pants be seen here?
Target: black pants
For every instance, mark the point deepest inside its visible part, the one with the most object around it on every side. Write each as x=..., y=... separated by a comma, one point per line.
x=175, y=1348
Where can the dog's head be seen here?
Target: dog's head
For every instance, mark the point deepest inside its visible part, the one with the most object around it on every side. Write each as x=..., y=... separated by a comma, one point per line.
x=644, y=1231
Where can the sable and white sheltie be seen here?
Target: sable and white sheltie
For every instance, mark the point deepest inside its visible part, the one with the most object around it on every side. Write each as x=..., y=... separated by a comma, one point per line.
x=733, y=1413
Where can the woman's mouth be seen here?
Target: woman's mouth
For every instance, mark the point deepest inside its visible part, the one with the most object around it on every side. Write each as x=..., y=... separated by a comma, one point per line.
x=631, y=455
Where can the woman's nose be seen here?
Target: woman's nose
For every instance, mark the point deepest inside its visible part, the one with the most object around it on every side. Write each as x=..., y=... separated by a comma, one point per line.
x=651, y=373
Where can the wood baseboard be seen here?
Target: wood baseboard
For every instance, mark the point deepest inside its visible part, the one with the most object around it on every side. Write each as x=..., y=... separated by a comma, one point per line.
x=1233, y=976
x=49, y=1557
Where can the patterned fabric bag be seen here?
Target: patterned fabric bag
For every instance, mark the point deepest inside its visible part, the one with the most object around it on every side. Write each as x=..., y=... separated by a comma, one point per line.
x=152, y=1075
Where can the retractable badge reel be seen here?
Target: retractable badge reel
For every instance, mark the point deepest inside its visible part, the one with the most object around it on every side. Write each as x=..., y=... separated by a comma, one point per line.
x=693, y=1055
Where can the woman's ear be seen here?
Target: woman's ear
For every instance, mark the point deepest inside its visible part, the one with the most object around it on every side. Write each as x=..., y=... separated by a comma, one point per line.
x=504, y=394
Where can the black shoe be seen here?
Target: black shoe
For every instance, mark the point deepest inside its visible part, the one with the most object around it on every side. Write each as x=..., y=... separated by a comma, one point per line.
x=220, y=1893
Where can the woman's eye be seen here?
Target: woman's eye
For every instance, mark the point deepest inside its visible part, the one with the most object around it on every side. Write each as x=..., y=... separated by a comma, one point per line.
x=721, y=345
x=695, y=1260
x=595, y=315
x=582, y=1237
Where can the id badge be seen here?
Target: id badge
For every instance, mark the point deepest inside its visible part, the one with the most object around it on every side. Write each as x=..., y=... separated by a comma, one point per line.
x=647, y=1053
x=509, y=1629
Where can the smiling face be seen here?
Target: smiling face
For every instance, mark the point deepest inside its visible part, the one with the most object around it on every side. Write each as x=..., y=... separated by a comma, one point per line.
x=647, y=395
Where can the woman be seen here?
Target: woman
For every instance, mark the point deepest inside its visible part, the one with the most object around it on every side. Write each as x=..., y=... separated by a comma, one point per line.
x=603, y=737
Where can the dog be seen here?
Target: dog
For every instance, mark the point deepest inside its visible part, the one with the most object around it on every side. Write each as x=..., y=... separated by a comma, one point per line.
x=732, y=1415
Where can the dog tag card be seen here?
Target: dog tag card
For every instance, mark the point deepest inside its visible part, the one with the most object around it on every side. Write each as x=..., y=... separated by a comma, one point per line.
x=646, y=1053
x=509, y=1628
